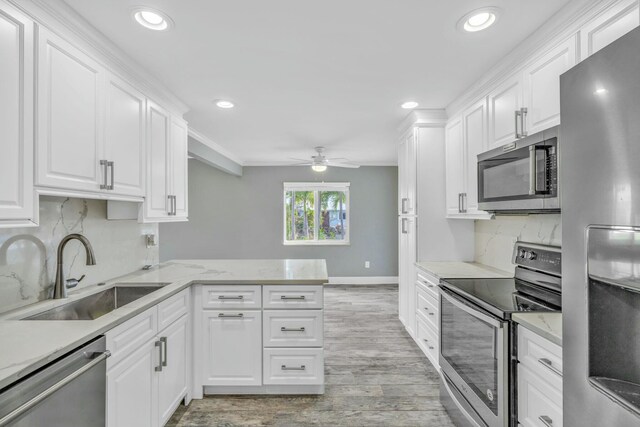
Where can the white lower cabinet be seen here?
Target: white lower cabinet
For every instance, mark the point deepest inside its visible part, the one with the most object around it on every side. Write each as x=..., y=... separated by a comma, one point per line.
x=172, y=386
x=427, y=312
x=147, y=373
x=132, y=389
x=233, y=347
x=539, y=381
x=293, y=366
x=275, y=347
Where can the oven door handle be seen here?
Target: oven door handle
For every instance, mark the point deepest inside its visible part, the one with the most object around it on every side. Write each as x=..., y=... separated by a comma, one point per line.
x=469, y=309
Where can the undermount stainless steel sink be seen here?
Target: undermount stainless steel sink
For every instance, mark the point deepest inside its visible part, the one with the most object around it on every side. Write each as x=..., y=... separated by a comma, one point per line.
x=93, y=306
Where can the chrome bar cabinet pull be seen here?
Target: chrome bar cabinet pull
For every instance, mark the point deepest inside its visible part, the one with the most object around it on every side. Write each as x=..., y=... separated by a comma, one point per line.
x=549, y=365
x=111, y=165
x=293, y=368
x=546, y=420
x=284, y=297
x=163, y=340
x=105, y=174
x=230, y=315
x=427, y=342
x=159, y=345
x=283, y=329
x=224, y=297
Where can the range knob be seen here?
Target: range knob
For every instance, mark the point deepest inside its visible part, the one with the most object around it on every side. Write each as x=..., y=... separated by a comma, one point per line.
x=530, y=255
x=521, y=253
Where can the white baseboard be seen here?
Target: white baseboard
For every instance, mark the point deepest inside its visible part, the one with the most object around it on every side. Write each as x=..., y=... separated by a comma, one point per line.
x=364, y=280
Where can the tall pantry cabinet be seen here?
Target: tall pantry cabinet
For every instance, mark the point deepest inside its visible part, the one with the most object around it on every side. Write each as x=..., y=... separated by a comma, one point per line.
x=424, y=234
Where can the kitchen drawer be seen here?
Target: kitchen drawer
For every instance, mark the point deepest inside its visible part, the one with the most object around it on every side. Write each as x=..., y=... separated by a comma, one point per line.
x=540, y=356
x=292, y=328
x=429, y=284
x=538, y=402
x=173, y=308
x=293, y=366
x=428, y=342
x=292, y=297
x=427, y=308
x=127, y=337
x=232, y=296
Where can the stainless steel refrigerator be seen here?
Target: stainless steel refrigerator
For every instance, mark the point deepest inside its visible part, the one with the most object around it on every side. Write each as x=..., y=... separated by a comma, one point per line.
x=600, y=176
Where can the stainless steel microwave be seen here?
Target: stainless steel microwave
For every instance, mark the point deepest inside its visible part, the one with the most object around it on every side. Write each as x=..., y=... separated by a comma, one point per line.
x=521, y=177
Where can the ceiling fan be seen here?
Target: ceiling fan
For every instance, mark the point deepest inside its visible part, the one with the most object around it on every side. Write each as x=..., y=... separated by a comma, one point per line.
x=319, y=162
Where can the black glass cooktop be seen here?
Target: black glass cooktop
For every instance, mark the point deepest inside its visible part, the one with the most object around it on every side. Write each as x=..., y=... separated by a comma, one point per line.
x=502, y=297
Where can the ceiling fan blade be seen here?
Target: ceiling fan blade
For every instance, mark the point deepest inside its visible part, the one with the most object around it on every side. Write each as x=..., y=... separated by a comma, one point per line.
x=299, y=160
x=344, y=165
x=300, y=164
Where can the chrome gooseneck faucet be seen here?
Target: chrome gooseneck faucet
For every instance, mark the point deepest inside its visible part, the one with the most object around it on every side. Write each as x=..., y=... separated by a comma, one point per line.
x=60, y=288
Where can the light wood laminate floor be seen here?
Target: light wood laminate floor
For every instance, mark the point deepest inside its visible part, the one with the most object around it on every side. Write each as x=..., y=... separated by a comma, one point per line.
x=375, y=375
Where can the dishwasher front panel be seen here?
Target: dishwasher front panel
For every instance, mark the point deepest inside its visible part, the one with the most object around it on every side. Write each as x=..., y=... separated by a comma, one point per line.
x=70, y=391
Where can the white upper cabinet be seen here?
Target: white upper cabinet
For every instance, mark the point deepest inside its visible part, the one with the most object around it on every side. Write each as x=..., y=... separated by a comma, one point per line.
x=504, y=103
x=475, y=142
x=179, y=167
x=125, y=137
x=465, y=137
x=608, y=26
x=16, y=118
x=69, y=103
x=167, y=166
x=157, y=203
x=542, y=86
x=407, y=175
x=454, y=161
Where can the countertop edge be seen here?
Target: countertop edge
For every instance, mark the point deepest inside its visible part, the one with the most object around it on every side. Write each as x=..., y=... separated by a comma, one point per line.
x=523, y=320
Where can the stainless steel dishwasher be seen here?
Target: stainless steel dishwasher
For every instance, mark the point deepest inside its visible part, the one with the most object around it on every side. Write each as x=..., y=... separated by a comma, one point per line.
x=71, y=391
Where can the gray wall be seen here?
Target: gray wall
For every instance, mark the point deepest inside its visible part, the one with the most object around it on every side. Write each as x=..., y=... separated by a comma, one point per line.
x=241, y=217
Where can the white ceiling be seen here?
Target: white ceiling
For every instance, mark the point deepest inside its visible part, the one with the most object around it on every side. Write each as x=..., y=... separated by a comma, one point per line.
x=305, y=73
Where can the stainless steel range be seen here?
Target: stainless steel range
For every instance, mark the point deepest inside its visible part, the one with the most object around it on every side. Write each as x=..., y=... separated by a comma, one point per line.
x=477, y=338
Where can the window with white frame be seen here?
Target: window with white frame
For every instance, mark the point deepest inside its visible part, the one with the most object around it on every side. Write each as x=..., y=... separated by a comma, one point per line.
x=316, y=213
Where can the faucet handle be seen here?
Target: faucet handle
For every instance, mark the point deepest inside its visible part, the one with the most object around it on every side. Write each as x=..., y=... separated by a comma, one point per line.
x=72, y=283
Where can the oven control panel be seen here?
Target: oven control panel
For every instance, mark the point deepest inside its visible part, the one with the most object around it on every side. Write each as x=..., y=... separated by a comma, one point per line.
x=538, y=257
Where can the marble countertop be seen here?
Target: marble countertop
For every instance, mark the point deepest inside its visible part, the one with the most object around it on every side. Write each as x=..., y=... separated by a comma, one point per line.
x=462, y=270
x=548, y=325
x=28, y=345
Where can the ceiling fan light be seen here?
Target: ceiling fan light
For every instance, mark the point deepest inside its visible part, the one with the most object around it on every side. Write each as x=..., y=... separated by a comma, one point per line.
x=319, y=168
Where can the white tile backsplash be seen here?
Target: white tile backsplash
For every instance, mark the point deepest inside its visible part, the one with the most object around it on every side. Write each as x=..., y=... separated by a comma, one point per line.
x=494, y=239
x=28, y=255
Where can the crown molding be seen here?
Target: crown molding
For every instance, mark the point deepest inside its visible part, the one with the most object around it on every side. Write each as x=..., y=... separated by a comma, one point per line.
x=63, y=20
x=424, y=118
x=200, y=137
x=559, y=27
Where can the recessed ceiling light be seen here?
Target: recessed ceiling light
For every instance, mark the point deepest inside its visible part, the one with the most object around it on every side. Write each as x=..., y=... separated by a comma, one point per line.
x=601, y=91
x=479, y=19
x=224, y=104
x=152, y=19
x=409, y=105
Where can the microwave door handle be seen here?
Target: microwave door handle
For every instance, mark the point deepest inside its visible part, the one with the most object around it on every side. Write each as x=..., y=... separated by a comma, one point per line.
x=533, y=170
x=469, y=309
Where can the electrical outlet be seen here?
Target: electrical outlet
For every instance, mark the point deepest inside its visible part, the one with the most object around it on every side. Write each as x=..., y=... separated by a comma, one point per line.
x=367, y=264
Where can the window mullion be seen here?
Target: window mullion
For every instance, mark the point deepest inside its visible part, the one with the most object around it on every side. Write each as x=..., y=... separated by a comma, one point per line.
x=316, y=215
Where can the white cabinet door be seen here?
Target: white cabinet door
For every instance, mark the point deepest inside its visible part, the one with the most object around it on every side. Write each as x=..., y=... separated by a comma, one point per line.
x=402, y=275
x=16, y=115
x=609, y=26
x=233, y=348
x=157, y=201
x=173, y=377
x=503, y=103
x=475, y=142
x=403, y=208
x=542, y=86
x=125, y=137
x=179, y=167
x=454, y=164
x=70, y=105
x=132, y=389
x=406, y=285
